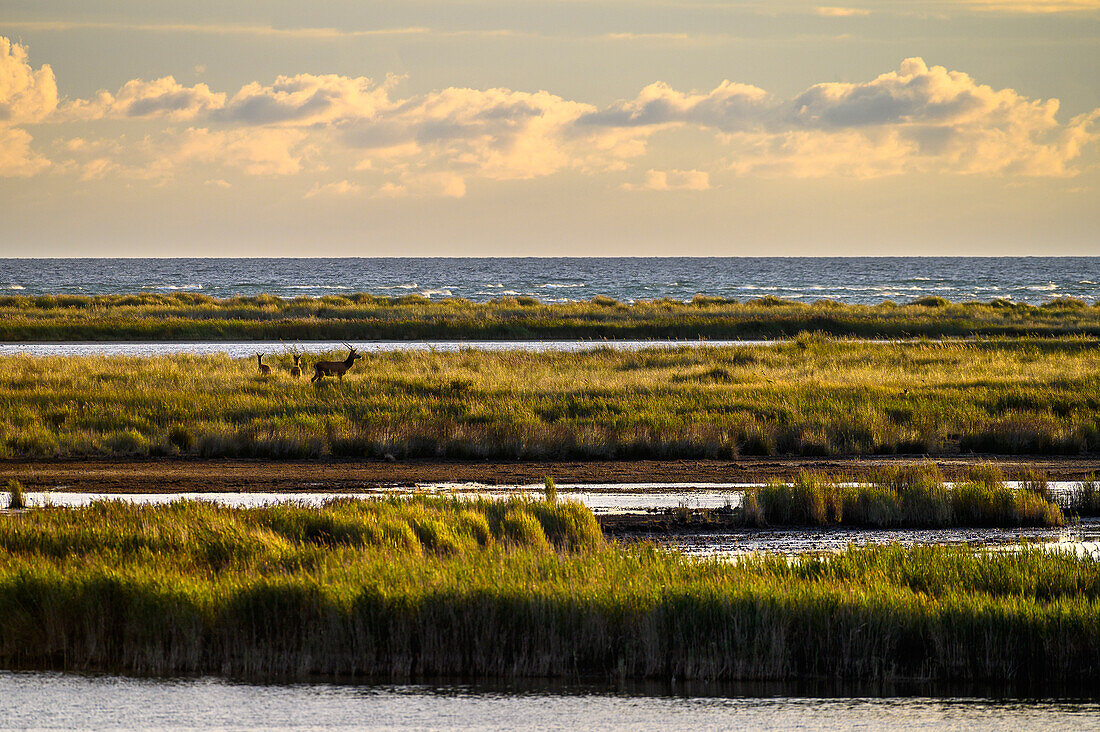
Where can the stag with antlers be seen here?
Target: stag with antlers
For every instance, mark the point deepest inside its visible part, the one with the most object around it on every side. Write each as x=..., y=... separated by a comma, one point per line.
x=321, y=369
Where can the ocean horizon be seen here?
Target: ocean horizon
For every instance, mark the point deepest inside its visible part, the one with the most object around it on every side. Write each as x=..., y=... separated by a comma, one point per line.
x=860, y=280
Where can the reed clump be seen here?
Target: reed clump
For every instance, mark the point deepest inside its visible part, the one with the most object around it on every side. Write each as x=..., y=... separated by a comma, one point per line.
x=813, y=396
x=899, y=498
x=186, y=316
x=16, y=499
x=439, y=587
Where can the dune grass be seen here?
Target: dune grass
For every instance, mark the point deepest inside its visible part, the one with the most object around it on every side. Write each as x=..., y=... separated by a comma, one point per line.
x=189, y=316
x=289, y=592
x=813, y=396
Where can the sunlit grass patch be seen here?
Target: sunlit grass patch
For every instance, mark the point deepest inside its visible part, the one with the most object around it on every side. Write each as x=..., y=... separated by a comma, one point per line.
x=811, y=397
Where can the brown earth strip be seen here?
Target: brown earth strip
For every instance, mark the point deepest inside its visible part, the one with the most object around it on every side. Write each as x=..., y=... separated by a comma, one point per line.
x=195, y=475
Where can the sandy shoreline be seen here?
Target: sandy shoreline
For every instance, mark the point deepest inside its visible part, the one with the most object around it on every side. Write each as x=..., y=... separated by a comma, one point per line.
x=198, y=475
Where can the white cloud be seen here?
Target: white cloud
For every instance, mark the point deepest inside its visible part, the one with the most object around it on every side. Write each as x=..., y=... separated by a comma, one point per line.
x=728, y=106
x=914, y=119
x=256, y=151
x=17, y=160
x=307, y=99
x=163, y=97
x=672, y=180
x=26, y=95
x=338, y=188
x=838, y=12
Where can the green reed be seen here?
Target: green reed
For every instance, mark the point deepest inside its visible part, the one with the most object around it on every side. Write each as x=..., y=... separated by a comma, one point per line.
x=293, y=592
x=902, y=497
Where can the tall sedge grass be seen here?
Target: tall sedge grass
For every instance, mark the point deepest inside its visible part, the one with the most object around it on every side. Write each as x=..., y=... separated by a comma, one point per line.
x=185, y=316
x=16, y=500
x=903, y=497
x=810, y=397
x=423, y=588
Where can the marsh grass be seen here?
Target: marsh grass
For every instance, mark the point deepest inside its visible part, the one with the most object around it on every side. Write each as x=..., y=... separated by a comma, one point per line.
x=437, y=587
x=184, y=316
x=815, y=396
x=549, y=489
x=1084, y=500
x=899, y=498
x=16, y=499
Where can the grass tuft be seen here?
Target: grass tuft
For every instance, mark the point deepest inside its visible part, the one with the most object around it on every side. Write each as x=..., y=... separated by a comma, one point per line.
x=16, y=499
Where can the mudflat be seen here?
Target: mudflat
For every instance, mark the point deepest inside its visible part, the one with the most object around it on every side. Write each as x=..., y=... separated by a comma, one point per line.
x=170, y=475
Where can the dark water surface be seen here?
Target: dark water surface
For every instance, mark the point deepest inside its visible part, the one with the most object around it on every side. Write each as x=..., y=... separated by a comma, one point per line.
x=857, y=280
x=33, y=700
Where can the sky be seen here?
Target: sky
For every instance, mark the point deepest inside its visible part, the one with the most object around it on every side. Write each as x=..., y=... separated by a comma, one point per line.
x=549, y=128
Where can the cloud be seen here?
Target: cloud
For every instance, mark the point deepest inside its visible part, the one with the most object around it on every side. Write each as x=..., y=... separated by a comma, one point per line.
x=915, y=119
x=17, y=160
x=339, y=188
x=1032, y=7
x=164, y=97
x=306, y=99
x=256, y=151
x=26, y=95
x=431, y=185
x=836, y=12
x=498, y=134
x=728, y=106
x=305, y=33
x=673, y=180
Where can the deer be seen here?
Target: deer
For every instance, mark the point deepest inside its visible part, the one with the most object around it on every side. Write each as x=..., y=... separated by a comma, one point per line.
x=296, y=369
x=264, y=368
x=321, y=369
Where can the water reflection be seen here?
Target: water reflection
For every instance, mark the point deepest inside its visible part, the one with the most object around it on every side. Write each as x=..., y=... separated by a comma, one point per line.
x=55, y=700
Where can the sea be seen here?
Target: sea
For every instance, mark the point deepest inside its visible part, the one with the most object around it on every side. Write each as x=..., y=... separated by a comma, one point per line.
x=863, y=280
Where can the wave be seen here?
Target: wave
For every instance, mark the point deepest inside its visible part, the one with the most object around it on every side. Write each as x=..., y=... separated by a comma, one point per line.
x=13, y=287
x=172, y=287
x=561, y=285
x=316, y=287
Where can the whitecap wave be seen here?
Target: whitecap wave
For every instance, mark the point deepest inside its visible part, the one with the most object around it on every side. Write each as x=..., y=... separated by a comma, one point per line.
x=317, y=287
x=13, y=287
x=561, y=285
x=171, y=287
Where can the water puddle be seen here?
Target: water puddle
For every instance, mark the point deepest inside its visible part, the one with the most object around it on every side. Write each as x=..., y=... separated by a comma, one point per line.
x=1082, y=539
x=248, y=349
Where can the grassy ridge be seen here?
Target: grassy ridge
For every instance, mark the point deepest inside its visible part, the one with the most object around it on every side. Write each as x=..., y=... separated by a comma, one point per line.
x=185, y=316
x=809, y=397
x=189, y=588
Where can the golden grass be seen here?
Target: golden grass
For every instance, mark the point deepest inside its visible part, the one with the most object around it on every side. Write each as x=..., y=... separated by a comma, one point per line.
x=813, y=396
